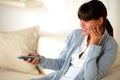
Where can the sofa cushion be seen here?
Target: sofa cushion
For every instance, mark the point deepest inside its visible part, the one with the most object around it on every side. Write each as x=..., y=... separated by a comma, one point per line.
x=16, y=43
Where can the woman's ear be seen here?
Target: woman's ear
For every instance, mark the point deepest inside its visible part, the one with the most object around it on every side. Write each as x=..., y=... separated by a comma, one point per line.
x=100, y=20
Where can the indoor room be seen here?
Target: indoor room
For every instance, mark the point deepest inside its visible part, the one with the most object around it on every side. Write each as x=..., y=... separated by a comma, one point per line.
x=43, y=26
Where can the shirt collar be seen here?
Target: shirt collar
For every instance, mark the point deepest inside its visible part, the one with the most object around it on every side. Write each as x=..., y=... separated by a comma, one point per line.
x=104, y=37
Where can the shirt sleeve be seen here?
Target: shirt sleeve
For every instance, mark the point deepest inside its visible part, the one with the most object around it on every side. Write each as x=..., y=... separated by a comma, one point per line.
x=96, y=68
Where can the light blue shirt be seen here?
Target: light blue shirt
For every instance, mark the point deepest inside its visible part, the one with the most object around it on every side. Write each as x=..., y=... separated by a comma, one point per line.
x=99, y=58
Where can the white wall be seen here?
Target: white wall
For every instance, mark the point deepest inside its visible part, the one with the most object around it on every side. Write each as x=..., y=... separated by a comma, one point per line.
x=51, y=17
x=114, y=16
x=15, y=17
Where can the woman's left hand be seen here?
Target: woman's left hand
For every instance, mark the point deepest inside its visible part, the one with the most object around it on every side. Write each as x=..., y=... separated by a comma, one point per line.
x=95, y=34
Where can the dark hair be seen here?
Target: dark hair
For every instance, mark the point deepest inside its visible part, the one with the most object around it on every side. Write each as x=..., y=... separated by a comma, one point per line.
x=95, y=9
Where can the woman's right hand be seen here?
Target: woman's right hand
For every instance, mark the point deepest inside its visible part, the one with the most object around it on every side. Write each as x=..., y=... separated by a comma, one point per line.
x=35, y=61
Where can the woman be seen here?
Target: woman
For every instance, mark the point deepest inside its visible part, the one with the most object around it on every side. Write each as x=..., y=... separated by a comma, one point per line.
x=89, y=51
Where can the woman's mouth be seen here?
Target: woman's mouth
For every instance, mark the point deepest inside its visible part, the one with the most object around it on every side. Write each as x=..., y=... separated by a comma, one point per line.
x=84, y=29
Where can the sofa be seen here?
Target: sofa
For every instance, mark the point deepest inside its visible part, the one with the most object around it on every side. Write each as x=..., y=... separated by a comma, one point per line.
x=21, y=42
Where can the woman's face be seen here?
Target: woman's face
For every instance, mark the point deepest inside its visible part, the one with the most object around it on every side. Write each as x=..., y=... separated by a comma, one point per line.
x=87, y=25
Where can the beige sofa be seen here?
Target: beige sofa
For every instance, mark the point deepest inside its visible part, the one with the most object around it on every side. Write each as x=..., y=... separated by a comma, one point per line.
x=15, y=43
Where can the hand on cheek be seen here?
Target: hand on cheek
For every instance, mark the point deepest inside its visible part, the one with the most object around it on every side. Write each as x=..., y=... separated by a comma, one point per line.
x=95, y=35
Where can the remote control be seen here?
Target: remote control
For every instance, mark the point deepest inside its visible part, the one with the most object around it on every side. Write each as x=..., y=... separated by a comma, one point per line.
x=26, y=57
